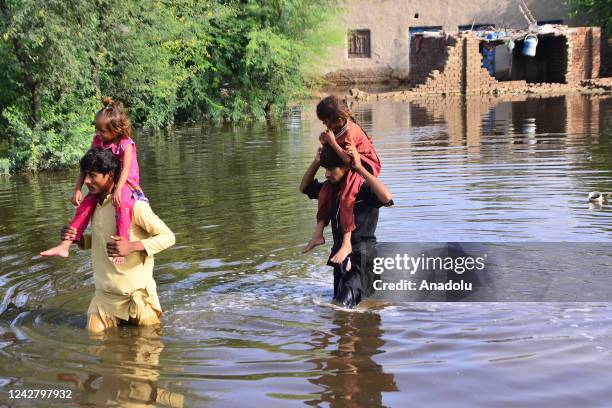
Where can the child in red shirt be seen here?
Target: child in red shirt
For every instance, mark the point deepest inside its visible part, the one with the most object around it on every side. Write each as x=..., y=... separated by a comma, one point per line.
x=341, y=132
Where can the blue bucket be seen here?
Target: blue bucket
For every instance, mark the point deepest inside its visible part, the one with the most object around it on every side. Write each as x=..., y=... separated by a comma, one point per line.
x=529, y=48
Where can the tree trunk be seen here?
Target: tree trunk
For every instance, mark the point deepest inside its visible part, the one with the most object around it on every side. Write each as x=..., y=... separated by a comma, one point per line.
x=35, y=101
x=268, y=110
x=98, y=50
x=93, y=52
x=32, y=84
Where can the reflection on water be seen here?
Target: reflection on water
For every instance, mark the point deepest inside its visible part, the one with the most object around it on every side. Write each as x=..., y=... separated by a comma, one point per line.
x=246, y=316
x=351, y=377
x=135, y=382
x=520, y=170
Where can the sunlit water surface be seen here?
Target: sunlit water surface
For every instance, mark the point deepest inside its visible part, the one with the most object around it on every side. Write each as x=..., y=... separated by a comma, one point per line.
x=246, y=319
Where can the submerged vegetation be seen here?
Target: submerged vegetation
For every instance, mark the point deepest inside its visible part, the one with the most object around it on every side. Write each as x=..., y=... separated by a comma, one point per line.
x=167, y=61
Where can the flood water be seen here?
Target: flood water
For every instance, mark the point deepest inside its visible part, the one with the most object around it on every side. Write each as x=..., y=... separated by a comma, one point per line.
x=246, y=318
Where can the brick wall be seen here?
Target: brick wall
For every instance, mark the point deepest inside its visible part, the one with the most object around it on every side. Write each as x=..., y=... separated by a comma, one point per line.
x=605, y=68
x=477, y=78
x=452, y=65
x=429, y=54
x=583, y=53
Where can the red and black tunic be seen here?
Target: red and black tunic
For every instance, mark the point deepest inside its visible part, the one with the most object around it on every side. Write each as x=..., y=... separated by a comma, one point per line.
x=351, y=133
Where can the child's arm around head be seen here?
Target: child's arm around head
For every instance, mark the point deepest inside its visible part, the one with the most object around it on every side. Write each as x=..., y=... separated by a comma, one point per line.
x=382, y=193
x=331, y=139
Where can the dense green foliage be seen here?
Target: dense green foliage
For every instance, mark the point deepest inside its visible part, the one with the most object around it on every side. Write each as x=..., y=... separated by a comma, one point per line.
x=599, y=12
x=167, y=61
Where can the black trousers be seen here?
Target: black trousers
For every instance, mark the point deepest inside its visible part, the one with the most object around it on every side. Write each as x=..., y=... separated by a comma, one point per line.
x=354, y=285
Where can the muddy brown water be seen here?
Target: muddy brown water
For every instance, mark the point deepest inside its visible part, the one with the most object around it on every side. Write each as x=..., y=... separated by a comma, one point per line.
x=246, y=316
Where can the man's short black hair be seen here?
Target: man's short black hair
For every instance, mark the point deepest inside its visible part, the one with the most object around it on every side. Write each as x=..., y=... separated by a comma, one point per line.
x=101, y=161
x=329, y=157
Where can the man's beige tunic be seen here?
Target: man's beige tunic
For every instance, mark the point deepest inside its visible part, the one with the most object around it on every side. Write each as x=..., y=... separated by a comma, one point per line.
x=128, y=290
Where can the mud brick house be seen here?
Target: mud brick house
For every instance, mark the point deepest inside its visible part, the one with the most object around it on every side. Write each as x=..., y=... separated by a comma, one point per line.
x=453, y=63
x=380, y=40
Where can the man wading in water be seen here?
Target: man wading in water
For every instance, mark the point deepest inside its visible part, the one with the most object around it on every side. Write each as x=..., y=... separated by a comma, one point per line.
x=125, y=293
x=353, y=278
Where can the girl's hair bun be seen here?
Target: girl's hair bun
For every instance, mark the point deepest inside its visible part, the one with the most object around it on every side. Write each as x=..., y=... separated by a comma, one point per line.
x=107, y=101
x=117, y=119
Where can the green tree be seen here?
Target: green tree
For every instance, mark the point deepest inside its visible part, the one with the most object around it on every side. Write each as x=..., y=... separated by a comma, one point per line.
x=599, y=12
x=43, y=75
x=168, y=61
x=264, y=53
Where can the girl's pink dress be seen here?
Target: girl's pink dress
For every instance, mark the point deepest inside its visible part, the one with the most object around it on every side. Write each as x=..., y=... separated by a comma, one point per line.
x=130, y=192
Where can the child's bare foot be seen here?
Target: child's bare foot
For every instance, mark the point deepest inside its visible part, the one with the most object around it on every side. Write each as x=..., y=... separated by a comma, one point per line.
x=315, y=241
x=119, y=260
x=344, y=251
x=317, y=237
x=63, y=250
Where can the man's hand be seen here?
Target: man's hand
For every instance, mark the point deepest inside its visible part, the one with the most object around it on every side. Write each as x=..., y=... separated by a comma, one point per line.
x=117, y=197
x=76, y=198
x=68, y=233
x=351, y=151
x=119, y=247
x=317, y=158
